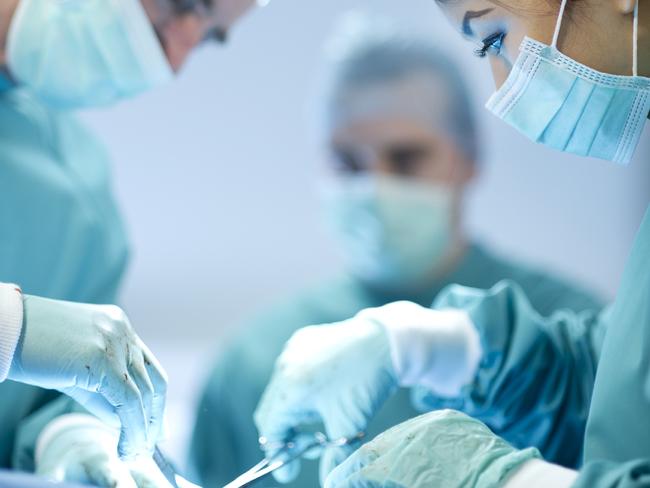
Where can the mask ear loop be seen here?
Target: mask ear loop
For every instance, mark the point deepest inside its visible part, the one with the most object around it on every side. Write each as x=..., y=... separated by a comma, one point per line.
x=558, y=25
x=635, y=36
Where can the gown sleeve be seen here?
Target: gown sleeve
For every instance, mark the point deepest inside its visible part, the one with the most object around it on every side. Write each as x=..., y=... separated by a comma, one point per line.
x=535, y=379
x=11, y=323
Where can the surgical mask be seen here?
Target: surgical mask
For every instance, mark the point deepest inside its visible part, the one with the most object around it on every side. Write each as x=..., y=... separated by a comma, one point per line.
x=566, y=105
x=392, y=232
x=85, y=53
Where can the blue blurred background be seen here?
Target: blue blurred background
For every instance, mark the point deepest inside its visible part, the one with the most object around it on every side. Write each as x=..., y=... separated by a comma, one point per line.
x=217, y=176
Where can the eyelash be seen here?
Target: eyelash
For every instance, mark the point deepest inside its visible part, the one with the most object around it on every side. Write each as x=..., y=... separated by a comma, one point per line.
x=495, y=41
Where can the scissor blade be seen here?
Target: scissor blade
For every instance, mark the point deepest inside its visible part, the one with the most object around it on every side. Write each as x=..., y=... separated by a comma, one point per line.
x=165, y=467
x=183, y=483
x=258, y=471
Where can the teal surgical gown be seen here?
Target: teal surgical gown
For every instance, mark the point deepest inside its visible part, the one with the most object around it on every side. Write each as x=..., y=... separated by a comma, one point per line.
x=617, y=443
x=224, y=441
x=62, y=235
x=544, y=373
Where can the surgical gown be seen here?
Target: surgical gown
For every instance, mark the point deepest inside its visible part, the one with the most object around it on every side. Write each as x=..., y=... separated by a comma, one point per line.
x=224, y=441
x=544, y=373
x=617, y=443
x=62, y=234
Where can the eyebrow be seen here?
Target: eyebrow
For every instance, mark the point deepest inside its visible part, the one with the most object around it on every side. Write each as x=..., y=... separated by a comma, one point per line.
x=469, y=16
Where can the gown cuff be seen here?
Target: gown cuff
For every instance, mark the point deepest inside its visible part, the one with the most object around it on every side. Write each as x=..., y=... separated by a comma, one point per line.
x=11, y=324
x=437, y=349
x=540, y=474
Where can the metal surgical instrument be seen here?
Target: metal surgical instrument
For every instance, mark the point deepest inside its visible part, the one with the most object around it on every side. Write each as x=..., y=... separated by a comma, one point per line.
x=168, y=470
x=287, y=452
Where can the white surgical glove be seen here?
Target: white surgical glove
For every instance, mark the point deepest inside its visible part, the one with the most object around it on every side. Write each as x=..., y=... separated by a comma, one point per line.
x=91, y=353
x=443, y=448
x=79, y=448
x=341, y=374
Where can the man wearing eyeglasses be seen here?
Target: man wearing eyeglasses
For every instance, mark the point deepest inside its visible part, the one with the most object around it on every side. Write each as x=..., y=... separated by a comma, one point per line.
x=62, y=238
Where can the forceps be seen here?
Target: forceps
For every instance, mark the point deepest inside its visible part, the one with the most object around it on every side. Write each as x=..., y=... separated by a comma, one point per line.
x=287, y=452
x=168, y=470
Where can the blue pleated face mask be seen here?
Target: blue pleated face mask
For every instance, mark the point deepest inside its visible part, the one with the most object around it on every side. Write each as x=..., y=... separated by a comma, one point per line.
x=566, y=105
x=84, y=53
x=392, y=232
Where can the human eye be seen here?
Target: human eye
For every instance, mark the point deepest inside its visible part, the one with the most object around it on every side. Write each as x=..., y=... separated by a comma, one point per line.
x=406, y=160
x=491, y=45
x=346, y=161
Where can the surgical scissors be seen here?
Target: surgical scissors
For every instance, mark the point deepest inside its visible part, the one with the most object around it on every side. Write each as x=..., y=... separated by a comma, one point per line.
x=287, y=452
x=168, y=470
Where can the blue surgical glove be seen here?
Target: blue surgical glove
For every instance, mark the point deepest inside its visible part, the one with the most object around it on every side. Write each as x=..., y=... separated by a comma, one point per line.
x=78, y=448
x=91, y=353
x=338, y=374
x=443, y=448
x=341, y=374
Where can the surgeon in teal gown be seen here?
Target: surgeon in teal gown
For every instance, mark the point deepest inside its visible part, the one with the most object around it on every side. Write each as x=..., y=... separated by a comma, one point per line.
x=387, y=128
x=62, y=233
x=67, y=239
x=576, y=72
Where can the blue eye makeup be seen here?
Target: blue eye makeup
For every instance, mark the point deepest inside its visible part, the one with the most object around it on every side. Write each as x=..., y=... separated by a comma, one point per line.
x=491, y=45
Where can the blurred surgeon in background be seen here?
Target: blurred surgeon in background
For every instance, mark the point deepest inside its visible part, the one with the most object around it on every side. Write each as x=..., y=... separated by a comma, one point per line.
x=63, y=236
x=402, y=149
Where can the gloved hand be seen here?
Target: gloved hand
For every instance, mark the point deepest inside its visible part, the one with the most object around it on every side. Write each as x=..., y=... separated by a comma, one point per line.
x=78, y=448
x=341, y=374
x=443, y=448
x=338, y=374
x=92, y=354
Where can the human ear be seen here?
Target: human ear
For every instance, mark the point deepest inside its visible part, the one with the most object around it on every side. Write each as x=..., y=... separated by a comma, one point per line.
x=624, y=6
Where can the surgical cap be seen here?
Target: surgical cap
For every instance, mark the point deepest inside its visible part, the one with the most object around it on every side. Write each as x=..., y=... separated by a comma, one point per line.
x=376, y=70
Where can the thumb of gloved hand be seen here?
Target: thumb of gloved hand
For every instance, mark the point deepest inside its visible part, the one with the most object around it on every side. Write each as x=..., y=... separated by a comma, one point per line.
x=331, y=458
x=345, y=423
x=80, y=448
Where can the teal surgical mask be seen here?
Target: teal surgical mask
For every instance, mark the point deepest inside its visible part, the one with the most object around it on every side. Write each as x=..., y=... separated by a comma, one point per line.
x=566, y=105
x=392, y=232
x=84, y=53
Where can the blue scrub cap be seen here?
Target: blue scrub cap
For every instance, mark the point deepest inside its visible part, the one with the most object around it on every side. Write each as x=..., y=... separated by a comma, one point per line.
x=376, y=69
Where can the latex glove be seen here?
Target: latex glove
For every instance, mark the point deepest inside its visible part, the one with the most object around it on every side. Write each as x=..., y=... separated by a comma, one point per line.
x=443, y=448
x=341, y=374
x=91, y=353
x=78, y=448
x=337, y=374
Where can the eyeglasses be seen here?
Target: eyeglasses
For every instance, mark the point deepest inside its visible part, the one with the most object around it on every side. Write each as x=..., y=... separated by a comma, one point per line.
x=203, y=9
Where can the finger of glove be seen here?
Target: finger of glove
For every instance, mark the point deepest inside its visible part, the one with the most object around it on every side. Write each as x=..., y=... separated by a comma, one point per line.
x=147, y=475
x=95, y=403
x=281, y=410
x=360, y=480
x=300, y=442
x=122, y=392
x=110, y=473
x=348, y=473
x=345, y=415
x=331, y=458
x=158, y=378
x=52, y=472
x=287, y=473
x=140, y=377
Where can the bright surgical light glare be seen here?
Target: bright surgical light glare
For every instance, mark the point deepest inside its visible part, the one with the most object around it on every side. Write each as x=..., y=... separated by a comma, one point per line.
x=183, y=483
x=262, y=3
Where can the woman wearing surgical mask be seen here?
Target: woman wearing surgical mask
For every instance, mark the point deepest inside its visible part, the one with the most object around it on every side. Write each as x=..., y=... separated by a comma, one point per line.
x=401, y=150
x=571, y=74
x=62, y=233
